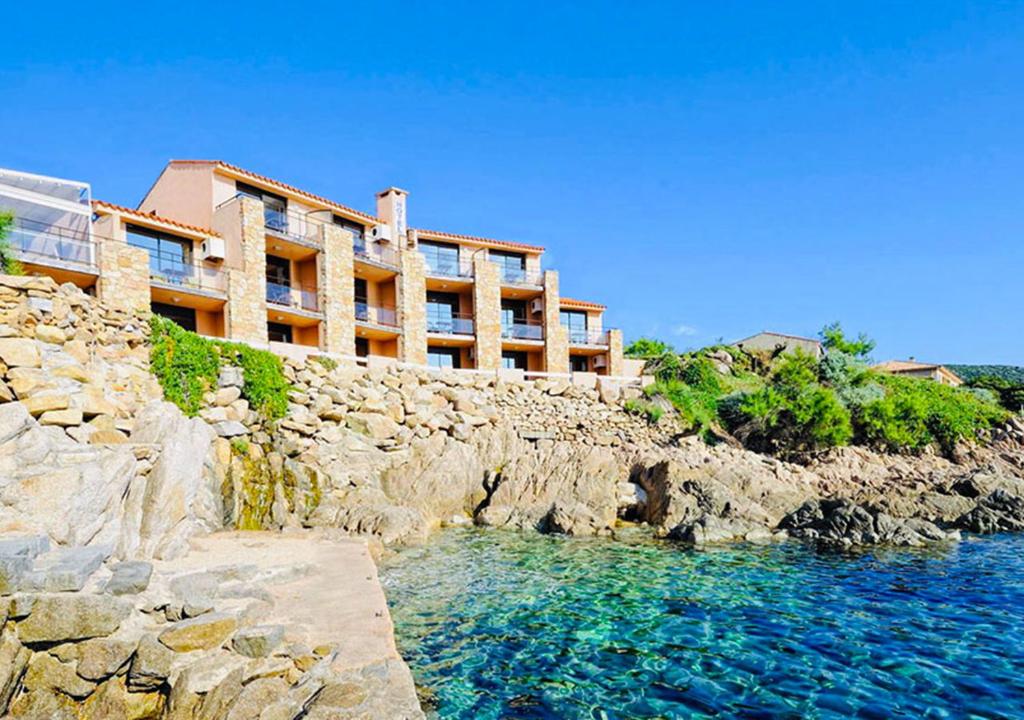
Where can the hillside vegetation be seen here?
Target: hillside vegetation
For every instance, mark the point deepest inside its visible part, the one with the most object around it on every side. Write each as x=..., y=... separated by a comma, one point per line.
x=794, y=404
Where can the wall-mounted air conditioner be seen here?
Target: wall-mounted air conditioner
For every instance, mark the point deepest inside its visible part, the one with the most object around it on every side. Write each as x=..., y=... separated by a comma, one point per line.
x=601, y=361
x=537, y=305
x=212, y=248
x=381, y=232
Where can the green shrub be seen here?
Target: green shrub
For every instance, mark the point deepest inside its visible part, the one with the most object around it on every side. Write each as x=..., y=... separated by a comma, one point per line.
x=698, y=410
x=834, y=340
x=646, y=348
x=8, y=263
x=187, y=366
x=916, y=412
x=652, y=412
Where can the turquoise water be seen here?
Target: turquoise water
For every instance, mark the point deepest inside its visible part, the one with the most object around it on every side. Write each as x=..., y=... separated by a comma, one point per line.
x=518, y=625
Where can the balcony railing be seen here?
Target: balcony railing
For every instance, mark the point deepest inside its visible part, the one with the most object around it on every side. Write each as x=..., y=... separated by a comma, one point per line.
x=292, y=225
x=523, y=330
x=440, y=264
x=171, y=270
x=375, y=252
x=293, y=295
x=44, y=244
x=376, y=314
x=521, y=276
x=583, y=336
x=450, y=324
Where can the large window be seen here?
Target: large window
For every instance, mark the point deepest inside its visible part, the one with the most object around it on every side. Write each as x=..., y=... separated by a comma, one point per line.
x=442, y=311
x=275, y=207
x=513, y=312
x=170, y=257
x=512, y=265
x=362, y=303
x=576, y=322
x=362, y=347
x=442, y=259
x=278, y=332
x=279, y=280
x=511, y=360
x=357, y=230
x=186, y=317
x=579, y=363
x=443, y=357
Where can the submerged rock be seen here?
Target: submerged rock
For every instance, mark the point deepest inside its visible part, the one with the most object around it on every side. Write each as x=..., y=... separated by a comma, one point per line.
x=844, y=522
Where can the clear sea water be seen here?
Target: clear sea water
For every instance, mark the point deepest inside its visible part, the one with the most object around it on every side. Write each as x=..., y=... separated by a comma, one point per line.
x=498, y=624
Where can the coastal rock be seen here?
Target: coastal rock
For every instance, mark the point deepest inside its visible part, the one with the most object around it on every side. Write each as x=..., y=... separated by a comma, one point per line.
x=575, y=519
x=997, y=512
x=63, y=617
x=129, y=578
x=200, y=633
x=710, y=529
x=843, y=522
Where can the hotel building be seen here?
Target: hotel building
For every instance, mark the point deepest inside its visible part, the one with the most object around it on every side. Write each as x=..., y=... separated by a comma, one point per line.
x=234, y=254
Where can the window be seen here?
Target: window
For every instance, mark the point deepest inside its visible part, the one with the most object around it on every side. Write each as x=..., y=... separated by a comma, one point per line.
x=362, y=347
x=186, y=317
x=362, y=304
x=275, y=207
x=170, y=257
x=279, y=332
x=442, y=311
x=441, y=259
x=279, y=272
x=357, y=230
x=576, y=322
x=579, y=363
x=511, y=360
x=443, y=357
x=512, y=265
x=513, y=312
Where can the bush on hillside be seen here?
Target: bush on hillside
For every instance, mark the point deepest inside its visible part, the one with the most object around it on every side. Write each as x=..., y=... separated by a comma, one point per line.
x=187, y=366
x=9, y=264
x=646, y=347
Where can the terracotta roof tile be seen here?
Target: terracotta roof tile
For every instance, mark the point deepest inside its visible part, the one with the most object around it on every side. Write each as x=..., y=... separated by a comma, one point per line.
x=439, y=235
x=284, y=186
x=102, y=204
x=580, y=304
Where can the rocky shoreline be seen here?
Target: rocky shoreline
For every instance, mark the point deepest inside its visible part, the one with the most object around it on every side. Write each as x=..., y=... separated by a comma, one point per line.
x=105, y=487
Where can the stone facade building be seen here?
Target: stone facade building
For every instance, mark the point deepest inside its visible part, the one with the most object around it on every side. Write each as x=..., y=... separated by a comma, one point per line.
x=230, y=253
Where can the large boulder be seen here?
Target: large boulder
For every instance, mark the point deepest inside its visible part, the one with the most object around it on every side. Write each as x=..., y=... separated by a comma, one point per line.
x=998, y=511
x=64, y=617
x=843, y=522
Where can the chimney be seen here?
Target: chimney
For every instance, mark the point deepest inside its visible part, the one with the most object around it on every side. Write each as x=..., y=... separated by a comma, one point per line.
x=391, y=207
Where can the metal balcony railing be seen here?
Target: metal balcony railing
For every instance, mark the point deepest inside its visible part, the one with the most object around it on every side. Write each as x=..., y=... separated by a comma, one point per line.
x=442, y=264
x=293, y=295
x=450, y=323
x=44, y=244
x=583, y=336
x=295, y=226
x=521, y=276
x=375, y=252
x=376, y=314
x=172, y=270
x=522, y=330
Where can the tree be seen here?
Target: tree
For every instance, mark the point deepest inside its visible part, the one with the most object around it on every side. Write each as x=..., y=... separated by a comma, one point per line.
x=8, y=263
x=833, y=338
x=647, y=348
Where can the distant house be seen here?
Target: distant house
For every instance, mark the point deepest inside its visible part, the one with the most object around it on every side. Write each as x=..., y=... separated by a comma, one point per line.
x=930, y=371
x=771, y=341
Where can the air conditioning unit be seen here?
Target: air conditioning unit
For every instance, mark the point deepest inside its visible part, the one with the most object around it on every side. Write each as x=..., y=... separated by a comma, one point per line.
x=381, y=232
x=537, y=305
x=601, y=361
x=212, y=248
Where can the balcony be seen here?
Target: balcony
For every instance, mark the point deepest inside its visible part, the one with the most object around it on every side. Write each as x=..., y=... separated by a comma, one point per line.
x=446, y=264
x=293, y=226
x=376, y=314
x=293, y=295
x=52, y=245
x=523, y=330
x=376, y=253
x=521, y=276
x=583, y=336
x=450, y=323
x=174, y=272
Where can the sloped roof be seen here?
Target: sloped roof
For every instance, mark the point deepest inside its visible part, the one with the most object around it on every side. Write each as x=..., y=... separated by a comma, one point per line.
x=440, y=235
x=580, y=304
x=102, y=205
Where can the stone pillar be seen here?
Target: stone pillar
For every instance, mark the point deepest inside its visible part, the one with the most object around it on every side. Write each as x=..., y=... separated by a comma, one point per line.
x=487, y=306
x=616, y=365
x=337, y=292
x=556, y=337
x=124, y=275
x=412, y=303
x=246, y=309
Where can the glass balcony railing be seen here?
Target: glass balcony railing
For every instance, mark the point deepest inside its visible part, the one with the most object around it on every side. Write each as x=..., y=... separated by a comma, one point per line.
x=376, y=314
x=446, y=264
x=450, y=323
x=172, y=270
x=294, y=226
x=293, y=295
x=522, y=330
x=520, y=276
x=43, y=244
x=583, y=336
x=375, y=252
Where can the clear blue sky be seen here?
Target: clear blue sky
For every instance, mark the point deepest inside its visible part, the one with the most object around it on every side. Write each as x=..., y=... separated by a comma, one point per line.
x=705, y=169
